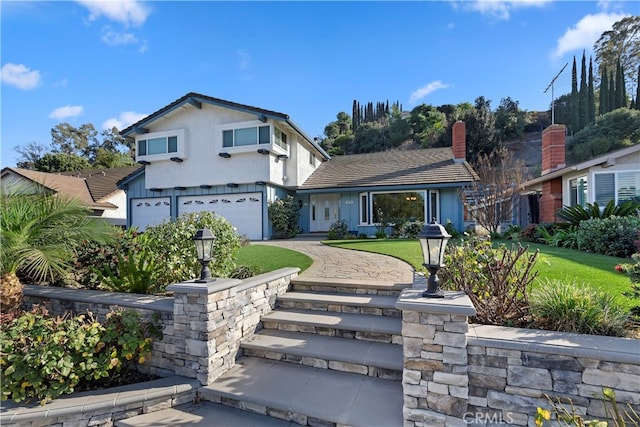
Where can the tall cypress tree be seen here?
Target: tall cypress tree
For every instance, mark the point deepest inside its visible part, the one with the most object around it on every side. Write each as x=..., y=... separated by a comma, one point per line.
x=623, y=88
x=603, y=108
x=575, y=116
x=619, y=79
x=583, y=99
x=612, y=92
x=591, y=99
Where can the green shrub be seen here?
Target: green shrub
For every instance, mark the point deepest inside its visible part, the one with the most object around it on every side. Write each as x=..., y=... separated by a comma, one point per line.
x=613, y=236
x=172, y=244
x=576, y=214
x=136, y=270
x=497, y=280
x=411, y=229
x=284, y=217
x=44, y=357
x=572, y=307
x=338, y=230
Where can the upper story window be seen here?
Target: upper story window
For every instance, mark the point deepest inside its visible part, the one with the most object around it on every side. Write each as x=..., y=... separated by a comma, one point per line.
x=246, y=136
x=160, y=145
x=243, y=137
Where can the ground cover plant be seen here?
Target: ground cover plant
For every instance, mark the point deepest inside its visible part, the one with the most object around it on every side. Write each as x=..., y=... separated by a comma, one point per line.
x=43, y=357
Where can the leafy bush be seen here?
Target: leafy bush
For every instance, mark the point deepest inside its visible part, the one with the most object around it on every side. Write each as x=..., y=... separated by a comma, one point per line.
x=172, y=244
x=497, y=280
x=613, y=236
x=284, y=217
x=44, y=357
x=136, y=270
x=573, y=307
x=411, y=229
x=338, y=230
x=576, y=214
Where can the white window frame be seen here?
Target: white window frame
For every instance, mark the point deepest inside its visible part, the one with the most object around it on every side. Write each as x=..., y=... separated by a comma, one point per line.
x=273, y=146
x=616, y=184
x=180, y=143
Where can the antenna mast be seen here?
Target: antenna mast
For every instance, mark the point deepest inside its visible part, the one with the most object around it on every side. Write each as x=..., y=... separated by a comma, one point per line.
x=553, y=99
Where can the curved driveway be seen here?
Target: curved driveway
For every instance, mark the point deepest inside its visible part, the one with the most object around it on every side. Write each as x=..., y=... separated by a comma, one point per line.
x=336, y=264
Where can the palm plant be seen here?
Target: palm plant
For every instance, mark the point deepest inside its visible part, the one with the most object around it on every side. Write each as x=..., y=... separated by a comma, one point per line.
x=38, y=237
x=576, y=214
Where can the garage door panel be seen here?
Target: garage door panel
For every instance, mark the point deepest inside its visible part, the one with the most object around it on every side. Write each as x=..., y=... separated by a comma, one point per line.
x=243, y=211
x=150, y=211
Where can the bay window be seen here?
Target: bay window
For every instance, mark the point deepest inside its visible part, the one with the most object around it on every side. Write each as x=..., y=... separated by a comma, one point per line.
x=376, y=207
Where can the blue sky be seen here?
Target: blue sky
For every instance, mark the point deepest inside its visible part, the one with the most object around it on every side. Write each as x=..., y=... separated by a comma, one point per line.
x=112, y=63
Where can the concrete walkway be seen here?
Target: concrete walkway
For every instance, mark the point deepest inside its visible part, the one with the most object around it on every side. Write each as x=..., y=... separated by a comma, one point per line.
x=332, y=264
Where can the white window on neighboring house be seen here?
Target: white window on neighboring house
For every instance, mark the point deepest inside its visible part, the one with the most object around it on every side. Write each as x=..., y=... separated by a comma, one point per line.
x=245, y=136
x=160, y=145
x=578, y=191
x=617, y=186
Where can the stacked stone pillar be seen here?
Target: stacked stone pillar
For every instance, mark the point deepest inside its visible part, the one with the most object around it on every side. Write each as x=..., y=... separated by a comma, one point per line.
x=435, y=378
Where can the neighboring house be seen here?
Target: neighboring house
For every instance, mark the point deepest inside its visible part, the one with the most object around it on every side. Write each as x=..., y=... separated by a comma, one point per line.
x=207, y=154
x=612, y=176
x=95, y=188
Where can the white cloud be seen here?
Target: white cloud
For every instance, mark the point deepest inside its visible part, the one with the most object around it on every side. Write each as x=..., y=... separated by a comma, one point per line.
x=20, y=76
x=501, y=9
x=421, y=93
x=585, y=33
x=67, y=111
x=114, y=38
x=127, y=12
x=124, y=120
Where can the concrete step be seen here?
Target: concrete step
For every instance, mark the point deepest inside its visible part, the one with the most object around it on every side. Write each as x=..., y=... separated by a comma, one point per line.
x=204, y=414
x=347, y=355
x=348, y=286
x=381, y=305
x=365, y=327
x=308, y=396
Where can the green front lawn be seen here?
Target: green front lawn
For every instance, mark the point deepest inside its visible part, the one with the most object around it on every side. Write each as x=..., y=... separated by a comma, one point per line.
x=552, y=262
x=265, y=258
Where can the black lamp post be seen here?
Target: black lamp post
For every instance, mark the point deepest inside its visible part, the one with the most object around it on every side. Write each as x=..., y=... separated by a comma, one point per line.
x=433, y=240
x=204, y=241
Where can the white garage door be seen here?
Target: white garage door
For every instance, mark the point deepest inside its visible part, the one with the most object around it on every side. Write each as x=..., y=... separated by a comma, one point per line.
x=149, y=211
x=244, y=211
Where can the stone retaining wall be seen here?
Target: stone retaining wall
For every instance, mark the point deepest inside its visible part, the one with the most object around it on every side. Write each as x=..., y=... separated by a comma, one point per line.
x=202, y=324
x=456, y=374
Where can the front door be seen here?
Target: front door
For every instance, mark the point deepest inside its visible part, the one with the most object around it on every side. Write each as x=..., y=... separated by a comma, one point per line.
x=325, y=210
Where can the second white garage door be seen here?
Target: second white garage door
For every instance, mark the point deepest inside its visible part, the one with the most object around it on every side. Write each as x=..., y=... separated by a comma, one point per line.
x=244, y=211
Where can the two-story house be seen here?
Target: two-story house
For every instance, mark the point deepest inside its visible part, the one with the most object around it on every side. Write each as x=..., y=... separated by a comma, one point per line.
x=206, y=154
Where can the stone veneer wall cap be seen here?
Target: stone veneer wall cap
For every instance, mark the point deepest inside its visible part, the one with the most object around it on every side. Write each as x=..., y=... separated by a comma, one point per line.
x=122, y=299
x=612, y=349
x=191, y=287
x=261, y=279
x=456, y=303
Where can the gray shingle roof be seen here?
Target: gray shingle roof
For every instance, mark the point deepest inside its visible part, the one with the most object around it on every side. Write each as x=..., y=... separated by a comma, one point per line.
x=390, y=168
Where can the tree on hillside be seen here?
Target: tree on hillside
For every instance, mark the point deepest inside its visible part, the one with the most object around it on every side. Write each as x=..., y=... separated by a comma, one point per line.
x=591, y=99
x=76, y=148
x=575, y=99
x=427, y=125
x=621, y=42
x=61, y=162
x=480, y=130
x=612, y=131
x=510, y=120
x=604, y=92
x=583, y=96
x=563, y=110
x=492, y=199
x=30, y=154
x=638, y=90
x=399, y=128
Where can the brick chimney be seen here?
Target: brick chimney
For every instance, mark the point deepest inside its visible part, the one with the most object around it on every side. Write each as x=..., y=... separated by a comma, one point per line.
x=553, y=149
x=459, y=140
